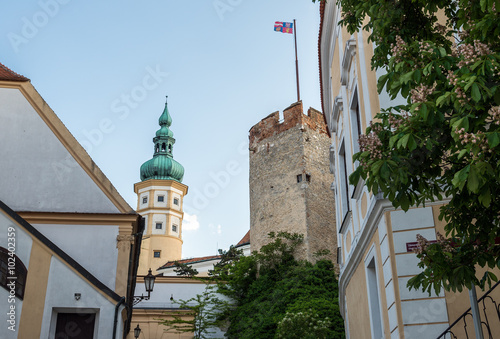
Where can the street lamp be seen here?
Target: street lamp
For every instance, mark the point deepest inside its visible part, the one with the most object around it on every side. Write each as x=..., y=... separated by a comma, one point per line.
x=149, y=282
x=137, y=331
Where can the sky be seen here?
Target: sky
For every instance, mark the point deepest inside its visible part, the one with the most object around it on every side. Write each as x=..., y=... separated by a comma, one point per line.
x=105, y=68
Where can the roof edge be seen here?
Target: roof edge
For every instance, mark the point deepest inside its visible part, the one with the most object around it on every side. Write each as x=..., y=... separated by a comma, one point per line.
x=9, y=75
x=70, y=143
x=320, y=34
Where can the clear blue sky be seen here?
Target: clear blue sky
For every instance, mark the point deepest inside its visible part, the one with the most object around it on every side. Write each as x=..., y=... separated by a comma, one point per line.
x=105, y=67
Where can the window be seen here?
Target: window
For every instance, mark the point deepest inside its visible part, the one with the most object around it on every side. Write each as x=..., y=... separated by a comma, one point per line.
x=373, y=297
x=299, y=178
x=161, y=198
x=159, y=225
x=176, y=201
x=75, y=325
x=144, y=200
x=174, y=228
x=344, y=183
x=308, y=177
x=156, y=254
x=12, y=267
x=355, y=121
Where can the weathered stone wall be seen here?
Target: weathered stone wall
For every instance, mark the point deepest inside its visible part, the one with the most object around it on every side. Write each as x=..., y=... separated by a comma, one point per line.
x=279, y=152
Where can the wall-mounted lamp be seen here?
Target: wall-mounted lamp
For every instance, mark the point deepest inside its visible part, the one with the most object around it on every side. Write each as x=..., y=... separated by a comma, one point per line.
x=149, y=281
x=137, y=331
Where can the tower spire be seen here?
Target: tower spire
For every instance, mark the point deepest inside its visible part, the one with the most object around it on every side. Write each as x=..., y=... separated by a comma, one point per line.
x=162, y=165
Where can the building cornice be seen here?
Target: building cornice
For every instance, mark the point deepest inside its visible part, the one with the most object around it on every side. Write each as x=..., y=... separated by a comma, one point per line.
x=157, y=182
x=349, y=54
x=173, y=280
x=338, y=106
x=78, y=218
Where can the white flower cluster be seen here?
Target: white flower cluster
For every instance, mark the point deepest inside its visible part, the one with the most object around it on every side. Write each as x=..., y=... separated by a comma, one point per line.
x=494, y=113
x=471, y=53
x=421, y=93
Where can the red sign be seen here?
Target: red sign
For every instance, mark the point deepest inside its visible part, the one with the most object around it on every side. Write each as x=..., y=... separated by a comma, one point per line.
x=411, y=246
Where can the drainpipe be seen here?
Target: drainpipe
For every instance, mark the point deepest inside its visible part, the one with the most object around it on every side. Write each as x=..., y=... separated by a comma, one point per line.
x=115, y=322
x=476, y=318
x=131, y=281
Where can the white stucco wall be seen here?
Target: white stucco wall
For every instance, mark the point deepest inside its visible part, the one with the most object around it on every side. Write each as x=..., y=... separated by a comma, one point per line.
x=160, y=297
x=92, y=246
x=23, y=243
x=62, y=285
x=38, y=173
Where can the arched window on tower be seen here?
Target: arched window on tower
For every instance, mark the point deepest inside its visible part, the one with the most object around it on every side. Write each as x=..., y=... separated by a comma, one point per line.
x=163, y=147
x=157, y=148
x=170, y=148
x=12, y=266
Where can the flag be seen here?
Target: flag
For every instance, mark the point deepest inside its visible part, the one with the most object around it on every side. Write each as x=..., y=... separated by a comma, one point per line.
x=283, y=27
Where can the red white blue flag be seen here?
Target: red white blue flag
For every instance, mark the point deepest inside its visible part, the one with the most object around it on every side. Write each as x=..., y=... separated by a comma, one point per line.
x=283, y=27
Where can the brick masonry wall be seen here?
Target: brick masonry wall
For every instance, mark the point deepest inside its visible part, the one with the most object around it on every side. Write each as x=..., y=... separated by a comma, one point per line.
x=279, y=152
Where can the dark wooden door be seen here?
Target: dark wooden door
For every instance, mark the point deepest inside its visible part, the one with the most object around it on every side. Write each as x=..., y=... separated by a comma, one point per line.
x=75, y=326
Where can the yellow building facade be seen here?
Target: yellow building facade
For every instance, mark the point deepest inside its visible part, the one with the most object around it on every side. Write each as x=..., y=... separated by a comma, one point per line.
x=375, y=241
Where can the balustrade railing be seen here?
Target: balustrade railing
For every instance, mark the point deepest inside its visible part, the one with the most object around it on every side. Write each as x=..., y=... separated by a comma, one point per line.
x=490, y=320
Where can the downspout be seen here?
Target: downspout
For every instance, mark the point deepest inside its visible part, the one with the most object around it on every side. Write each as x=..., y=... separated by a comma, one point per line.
x=135, y=251
x=115, y=322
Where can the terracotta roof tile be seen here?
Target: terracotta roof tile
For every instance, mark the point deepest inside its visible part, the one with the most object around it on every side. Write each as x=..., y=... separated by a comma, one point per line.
x=190, y=261
x=7, y=74
x=245, y=240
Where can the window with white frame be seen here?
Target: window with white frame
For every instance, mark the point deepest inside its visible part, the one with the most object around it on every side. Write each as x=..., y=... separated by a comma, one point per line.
x=344, y=182
x=373, y=295
x=356, y=129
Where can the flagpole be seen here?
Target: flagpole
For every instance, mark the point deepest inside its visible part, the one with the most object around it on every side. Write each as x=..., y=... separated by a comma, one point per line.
x=296, y=60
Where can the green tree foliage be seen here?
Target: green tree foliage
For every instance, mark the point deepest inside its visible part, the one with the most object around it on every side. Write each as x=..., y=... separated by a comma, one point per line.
x=266, y=285
x=303, y=325
x=198, y=315
x=443, y=57
x=185, y=270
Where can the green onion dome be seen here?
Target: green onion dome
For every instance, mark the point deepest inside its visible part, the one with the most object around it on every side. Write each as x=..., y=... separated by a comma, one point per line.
x=163, y=166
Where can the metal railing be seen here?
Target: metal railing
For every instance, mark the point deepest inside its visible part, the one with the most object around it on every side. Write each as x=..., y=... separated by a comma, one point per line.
x=463, y=327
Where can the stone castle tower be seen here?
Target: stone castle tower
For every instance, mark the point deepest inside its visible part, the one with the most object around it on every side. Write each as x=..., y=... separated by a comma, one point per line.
x=290, y=180
x=160, y=195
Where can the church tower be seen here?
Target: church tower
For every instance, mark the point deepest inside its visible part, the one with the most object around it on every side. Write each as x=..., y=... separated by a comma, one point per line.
x=160, y=195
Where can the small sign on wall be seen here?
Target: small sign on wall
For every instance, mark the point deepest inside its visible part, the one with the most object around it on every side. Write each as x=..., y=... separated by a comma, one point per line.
x=412, y=246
